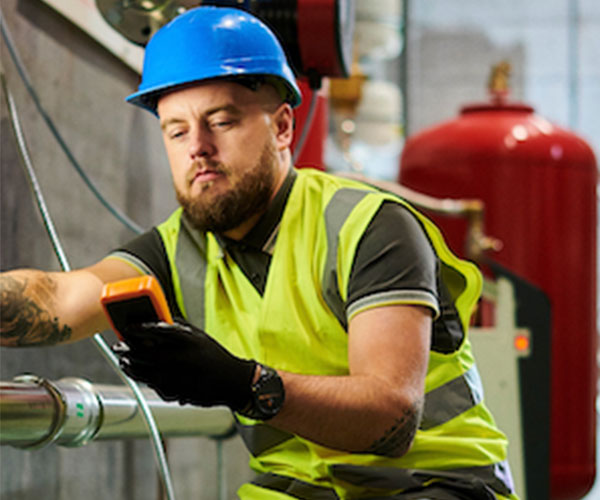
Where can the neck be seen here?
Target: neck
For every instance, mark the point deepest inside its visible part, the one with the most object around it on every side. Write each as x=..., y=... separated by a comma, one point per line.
x=237, y=233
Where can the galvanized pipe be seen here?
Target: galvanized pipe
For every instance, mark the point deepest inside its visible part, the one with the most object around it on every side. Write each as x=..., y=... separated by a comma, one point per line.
x=35, y=412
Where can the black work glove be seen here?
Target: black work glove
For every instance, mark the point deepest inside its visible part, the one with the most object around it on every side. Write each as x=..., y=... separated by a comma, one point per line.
x=182, y=363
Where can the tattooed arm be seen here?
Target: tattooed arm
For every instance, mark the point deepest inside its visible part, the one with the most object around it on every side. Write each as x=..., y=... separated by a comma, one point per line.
x=46, y=308
x=377, y=408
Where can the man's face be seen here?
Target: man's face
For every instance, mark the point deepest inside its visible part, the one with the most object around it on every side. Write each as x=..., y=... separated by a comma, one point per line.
x=223, y=147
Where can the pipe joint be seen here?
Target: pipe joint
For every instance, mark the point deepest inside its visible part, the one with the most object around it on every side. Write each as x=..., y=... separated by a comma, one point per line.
x=41, y=412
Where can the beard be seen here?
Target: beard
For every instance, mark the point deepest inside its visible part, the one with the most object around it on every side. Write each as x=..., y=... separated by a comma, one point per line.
x=248, y=196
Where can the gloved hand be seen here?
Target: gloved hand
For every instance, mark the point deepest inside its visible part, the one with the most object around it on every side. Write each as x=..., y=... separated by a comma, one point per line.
x=182, y=363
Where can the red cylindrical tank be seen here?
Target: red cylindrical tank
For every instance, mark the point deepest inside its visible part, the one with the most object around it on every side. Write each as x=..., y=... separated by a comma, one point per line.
x=538, y=183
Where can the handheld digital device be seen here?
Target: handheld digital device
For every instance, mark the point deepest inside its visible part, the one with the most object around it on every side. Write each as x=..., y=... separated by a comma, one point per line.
x=134, y=301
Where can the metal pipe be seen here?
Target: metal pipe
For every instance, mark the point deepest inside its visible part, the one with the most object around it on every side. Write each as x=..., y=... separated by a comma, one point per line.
x=35, y=412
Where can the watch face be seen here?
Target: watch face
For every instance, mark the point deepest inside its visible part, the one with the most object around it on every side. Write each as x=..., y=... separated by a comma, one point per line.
x=268, y=393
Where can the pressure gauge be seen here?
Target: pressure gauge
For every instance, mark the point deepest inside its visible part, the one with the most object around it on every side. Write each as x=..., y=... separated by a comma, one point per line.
x=137, y=20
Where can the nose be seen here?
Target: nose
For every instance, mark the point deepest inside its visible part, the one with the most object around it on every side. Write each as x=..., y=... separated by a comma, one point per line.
x=201, y=143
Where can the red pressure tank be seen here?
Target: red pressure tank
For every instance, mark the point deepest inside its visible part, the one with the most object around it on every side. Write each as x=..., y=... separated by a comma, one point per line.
x=538, y=183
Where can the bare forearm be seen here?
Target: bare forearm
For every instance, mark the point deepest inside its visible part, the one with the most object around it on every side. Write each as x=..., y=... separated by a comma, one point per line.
x=353, y=413
x=40, y=308
x=28, y=310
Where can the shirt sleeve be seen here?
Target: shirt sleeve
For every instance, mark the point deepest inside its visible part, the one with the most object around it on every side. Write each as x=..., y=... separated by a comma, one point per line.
x=146, y=253
x=394, y=264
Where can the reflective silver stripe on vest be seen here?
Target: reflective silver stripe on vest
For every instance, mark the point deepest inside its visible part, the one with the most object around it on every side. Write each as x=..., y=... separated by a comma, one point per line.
x=260, y=437
x=452, y=399
x=337, y=211
x=496, y=476
x=294, y=487
x=191, y=245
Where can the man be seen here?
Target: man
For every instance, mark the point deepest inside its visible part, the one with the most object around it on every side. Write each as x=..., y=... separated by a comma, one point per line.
x=329, y=316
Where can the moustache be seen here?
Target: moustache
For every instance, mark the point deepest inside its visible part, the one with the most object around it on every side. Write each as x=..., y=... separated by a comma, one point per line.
x=201, y=167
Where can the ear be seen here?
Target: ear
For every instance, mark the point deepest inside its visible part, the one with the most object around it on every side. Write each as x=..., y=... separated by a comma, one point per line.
x=283, y=123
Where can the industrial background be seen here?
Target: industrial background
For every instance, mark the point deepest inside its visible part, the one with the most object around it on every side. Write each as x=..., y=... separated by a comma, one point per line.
x=436, y=58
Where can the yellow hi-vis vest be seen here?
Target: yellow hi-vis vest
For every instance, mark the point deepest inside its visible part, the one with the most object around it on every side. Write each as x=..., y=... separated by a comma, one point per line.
x=298, y=325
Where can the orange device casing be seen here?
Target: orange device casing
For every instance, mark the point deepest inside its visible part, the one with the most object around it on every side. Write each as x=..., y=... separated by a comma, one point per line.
x=134, y=301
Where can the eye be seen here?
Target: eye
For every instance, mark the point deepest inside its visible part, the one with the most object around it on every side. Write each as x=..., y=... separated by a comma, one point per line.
x=221, y=122
x=220, y=125
x=176, y=133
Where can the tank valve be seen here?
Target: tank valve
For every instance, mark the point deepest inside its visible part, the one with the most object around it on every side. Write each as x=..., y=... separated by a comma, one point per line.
x=499, y=81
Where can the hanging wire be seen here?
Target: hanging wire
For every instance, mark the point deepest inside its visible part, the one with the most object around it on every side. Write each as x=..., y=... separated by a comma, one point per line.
x=64, y=263
x=91, y=185
x=307, y=125
x=221, y=479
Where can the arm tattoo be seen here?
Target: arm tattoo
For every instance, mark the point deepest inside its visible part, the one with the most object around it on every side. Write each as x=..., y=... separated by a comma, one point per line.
x=397, y=439
x=24, y=319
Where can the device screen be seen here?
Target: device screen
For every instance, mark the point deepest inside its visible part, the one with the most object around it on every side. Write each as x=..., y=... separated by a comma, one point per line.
x=132, y=311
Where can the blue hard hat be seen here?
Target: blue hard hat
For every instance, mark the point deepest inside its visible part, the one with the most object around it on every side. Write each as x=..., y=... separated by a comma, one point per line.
x=212, y=42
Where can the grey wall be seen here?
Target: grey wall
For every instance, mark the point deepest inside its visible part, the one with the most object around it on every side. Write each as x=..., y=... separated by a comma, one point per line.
x=82, y=87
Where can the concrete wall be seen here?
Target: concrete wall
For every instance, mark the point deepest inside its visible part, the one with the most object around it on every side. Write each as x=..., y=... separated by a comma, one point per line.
x=82, y=87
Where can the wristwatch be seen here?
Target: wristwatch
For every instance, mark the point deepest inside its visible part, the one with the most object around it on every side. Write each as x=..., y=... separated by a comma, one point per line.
x=267, y=395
